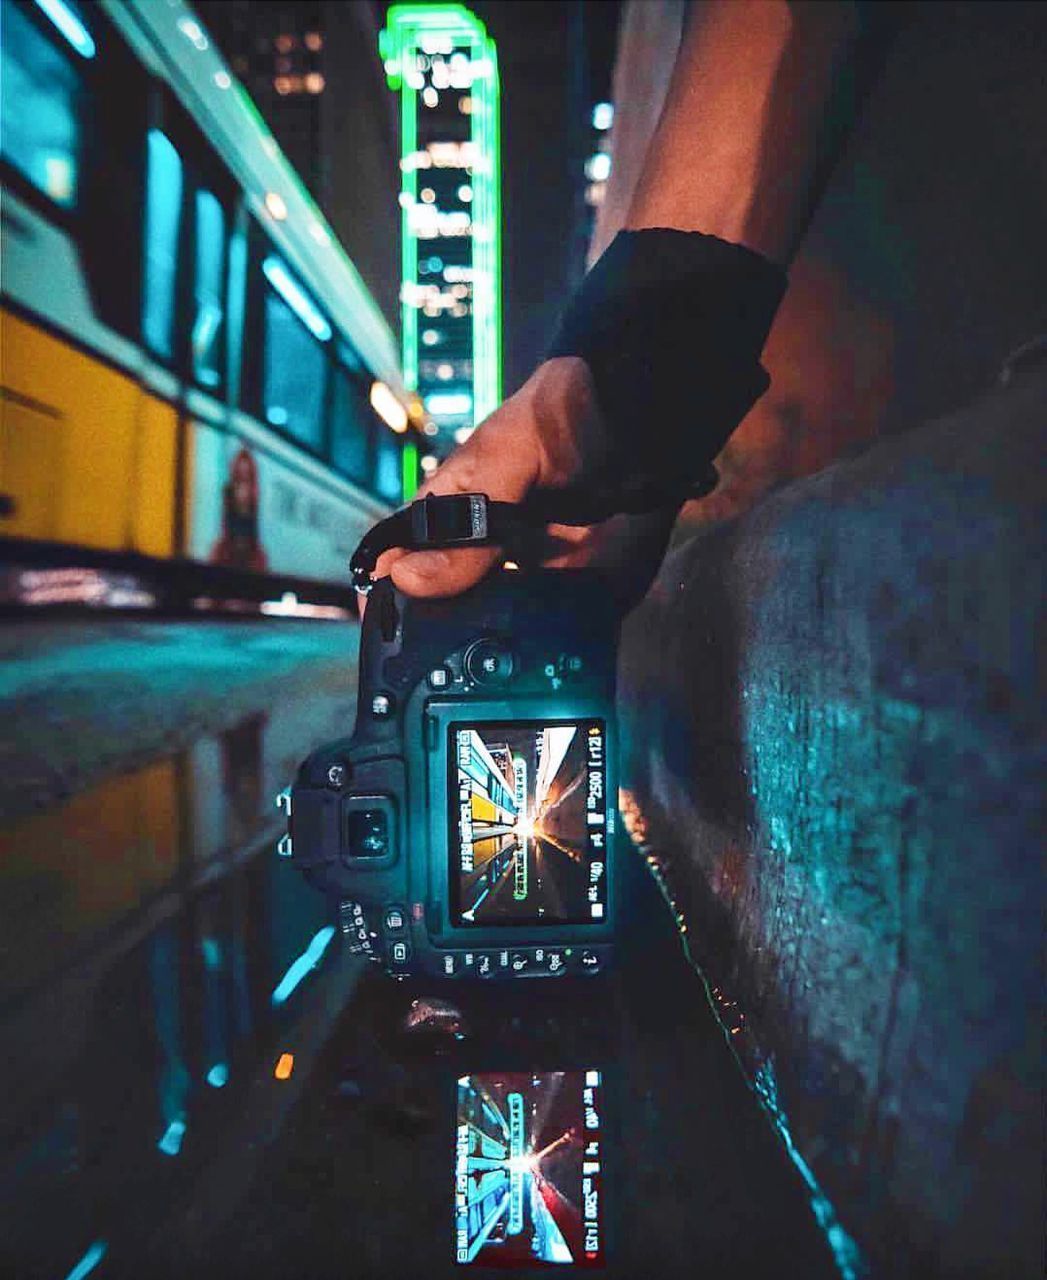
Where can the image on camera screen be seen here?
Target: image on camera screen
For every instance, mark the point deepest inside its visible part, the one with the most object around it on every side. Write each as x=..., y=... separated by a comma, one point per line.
x=528, y=822
x=528, y=1169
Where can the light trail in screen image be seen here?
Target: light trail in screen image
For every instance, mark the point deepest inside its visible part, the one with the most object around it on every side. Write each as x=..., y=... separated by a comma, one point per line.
x=529, y=1169
x=529, y=822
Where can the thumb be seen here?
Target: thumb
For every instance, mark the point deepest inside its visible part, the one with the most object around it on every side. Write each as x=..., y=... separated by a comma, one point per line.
x=496, y=460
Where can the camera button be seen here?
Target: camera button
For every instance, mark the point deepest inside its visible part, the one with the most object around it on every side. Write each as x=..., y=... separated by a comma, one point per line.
x=395, y=921
x=493, y=964
x=488, y=663
x=520, y=963
x=439, y=678
x=382, y=705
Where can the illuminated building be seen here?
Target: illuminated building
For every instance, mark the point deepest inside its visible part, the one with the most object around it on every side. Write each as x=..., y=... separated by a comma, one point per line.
x=444, y=66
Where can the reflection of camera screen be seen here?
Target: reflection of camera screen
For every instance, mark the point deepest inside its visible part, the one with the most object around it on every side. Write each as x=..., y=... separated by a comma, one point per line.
x=528, y=811
x=528, y=1169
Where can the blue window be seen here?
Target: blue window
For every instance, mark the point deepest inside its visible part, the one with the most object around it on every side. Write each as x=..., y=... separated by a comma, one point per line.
x=351, y=420
x=41, y=102
x=388, y=478
x=207, y=294
x=293, y=371
x=163, y=215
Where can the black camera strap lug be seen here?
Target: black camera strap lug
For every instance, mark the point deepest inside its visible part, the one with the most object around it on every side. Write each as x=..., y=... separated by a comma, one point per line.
x=440, y=521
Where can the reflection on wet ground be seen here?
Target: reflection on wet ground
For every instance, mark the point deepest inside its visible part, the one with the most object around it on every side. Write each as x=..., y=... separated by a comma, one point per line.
x=199, y=1081
x=697, y=1185
x=157, y=960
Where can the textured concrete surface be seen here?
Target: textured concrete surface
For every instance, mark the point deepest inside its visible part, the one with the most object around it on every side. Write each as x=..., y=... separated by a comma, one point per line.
x=834, y=754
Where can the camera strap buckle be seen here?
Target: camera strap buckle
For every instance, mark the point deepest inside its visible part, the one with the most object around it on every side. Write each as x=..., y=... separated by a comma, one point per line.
x=438, y=521
x=455, y=519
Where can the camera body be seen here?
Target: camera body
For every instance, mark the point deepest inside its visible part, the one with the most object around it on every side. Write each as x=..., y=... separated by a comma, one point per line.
x=466, y=826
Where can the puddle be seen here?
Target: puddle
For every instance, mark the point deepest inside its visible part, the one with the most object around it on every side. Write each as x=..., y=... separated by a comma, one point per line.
x=157, y=959
x=199, y=1080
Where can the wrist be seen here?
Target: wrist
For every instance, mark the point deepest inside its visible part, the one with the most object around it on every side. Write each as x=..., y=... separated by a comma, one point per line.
x=668, y=319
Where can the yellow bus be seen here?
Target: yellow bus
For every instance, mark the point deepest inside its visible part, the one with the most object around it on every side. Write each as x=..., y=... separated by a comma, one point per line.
x=193, y=372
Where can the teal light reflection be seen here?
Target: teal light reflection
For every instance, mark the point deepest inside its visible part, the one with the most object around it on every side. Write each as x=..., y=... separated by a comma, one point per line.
x=94, y=1255
x=69, y=24
x=174, y=1081
x=849, y=1260
x=171, y=1143
x=304, y=965
x=218, y=1076
x=846, y=1254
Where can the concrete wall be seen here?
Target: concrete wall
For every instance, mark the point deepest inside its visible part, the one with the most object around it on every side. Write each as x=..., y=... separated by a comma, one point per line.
x=835, y=753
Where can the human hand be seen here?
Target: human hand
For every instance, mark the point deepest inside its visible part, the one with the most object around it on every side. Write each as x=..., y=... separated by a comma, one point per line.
x=545, y=437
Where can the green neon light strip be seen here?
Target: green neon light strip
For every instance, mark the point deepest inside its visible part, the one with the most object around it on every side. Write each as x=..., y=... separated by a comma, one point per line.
x=491, y=248
x=399, y=45
x=408, y=242
x=409, y=463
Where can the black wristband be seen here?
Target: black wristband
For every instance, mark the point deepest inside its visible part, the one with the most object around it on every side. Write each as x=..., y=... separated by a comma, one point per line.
x=671, y=325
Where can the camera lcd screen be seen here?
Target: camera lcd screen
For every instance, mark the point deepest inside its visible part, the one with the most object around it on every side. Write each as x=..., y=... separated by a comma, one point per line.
x=529, y=1184
x=528, y=813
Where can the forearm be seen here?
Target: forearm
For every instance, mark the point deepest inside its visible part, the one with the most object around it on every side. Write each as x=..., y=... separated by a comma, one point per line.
x=750, y=127
x=761, y=99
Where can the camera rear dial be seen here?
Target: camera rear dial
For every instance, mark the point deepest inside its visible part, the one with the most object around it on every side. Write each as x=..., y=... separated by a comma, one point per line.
x=489, y=663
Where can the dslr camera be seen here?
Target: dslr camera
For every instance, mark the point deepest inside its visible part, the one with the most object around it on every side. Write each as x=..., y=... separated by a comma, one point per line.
x=466, y=826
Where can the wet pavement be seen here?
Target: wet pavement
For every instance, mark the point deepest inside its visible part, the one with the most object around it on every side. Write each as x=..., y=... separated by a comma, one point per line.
x=199, y=1081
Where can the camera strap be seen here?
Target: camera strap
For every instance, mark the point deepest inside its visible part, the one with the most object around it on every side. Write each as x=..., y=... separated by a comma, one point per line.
x=440, y=521
x=453, y=520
